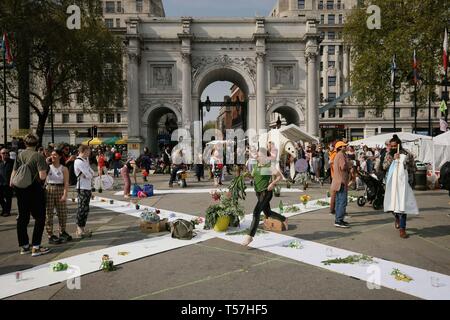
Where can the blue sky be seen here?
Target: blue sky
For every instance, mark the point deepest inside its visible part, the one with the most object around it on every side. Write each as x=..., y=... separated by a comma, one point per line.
x=218, y=8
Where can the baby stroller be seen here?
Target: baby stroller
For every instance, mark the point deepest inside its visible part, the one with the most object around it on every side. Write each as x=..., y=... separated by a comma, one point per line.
x=374, y=193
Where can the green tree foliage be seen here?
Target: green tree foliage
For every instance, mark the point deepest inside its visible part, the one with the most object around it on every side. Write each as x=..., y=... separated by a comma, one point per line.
x=405, y=25
x=65, y=63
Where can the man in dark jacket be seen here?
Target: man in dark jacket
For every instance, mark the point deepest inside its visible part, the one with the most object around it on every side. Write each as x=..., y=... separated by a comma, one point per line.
x=6, y=192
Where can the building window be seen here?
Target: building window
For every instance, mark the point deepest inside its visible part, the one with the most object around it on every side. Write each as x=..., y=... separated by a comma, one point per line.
x=321, y=98
x=413, y=112
x=80, y=117
x=119, y=6
x=320, y=4
x=322, y=19
x=109, y=7
x=51, y=118
x=331, y=96
x=361, y=113
x=65, y=118
x=331, y=50
x=331, y=81
x=341, y=19
x=397, y=97
x=301, y=4
x=331, y=64
x=321, y=66
x=330, y=4
x=341, y=112
x=332, y=113
x=322, y=35
x=100, y=117
x=331, y=35
x=139, y=6
x=378, y=113
x=338, y=4
x=397, y=112
x=110, y=118
x=109, y=23
x=117, y=23
x=331, y=19
x=321, y=82
x=119, y=118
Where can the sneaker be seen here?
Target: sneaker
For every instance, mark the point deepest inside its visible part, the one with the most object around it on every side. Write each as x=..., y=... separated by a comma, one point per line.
x=65, y=237
x=342, y=224
x=25, y=250
x=39, y=252
x=54, y=240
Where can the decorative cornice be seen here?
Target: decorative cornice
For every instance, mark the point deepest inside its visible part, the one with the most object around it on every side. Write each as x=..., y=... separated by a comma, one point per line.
x=246, y=63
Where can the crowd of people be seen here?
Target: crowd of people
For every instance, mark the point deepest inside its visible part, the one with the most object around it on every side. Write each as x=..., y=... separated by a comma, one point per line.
x=40, y=178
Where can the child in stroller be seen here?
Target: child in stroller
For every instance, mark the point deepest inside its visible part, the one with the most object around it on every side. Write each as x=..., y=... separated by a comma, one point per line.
x=374, y=193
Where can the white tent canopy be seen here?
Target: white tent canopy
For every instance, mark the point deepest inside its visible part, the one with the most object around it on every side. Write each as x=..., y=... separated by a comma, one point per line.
x=442, y=139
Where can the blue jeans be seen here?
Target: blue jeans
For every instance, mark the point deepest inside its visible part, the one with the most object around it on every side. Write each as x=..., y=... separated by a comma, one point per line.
x=341, y=204
x=402, y=218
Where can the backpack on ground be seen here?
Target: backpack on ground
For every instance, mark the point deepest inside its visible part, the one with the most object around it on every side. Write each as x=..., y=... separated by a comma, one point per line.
x=23, y=177
x=182, y=229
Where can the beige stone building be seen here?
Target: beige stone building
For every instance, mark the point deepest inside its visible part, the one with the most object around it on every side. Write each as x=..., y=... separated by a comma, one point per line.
x=348, y=118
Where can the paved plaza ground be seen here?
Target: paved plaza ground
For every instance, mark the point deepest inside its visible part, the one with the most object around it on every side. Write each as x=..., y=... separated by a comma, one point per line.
x=218, y=269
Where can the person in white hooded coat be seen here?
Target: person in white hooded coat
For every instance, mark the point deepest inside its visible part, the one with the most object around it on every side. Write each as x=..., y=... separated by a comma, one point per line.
x=399, y=197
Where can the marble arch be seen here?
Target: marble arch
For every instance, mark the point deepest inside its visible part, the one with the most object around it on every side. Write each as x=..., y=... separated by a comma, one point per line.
x=172, y=60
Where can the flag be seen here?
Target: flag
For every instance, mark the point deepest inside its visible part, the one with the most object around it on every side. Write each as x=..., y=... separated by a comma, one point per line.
x=445, y=51
x=393, y=70
x=415, y=69
x=443, y=106
x=6, y=49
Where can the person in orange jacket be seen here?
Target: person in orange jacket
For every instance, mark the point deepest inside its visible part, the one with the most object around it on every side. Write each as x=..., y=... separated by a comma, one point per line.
x=332, y=154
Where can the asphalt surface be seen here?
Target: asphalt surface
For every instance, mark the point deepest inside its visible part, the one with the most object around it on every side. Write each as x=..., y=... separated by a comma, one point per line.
x=218, y=269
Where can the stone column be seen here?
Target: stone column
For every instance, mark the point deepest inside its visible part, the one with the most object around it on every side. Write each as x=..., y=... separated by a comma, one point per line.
x=313, y=109
x=260, y=91
x=186, y=90
x=133, y=89
x=338, y=72
x=325, y=72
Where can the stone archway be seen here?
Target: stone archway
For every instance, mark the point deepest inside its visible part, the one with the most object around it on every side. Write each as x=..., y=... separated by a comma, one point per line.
x=151, y=118
x=292, y=111
x=237, y=71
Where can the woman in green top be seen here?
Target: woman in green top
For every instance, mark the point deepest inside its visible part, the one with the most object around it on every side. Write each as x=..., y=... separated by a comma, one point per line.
x=264, y=185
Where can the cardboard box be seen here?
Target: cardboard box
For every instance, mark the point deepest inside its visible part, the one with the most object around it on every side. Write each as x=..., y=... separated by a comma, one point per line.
x=274, y=225
x=150, y=227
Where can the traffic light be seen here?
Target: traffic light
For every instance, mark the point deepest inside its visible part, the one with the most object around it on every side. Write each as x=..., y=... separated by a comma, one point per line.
x=94, y=130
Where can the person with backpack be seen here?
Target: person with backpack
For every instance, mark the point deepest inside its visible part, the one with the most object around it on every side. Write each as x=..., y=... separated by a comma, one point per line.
x=29, y=173
x=57, y=191
x=84, y=174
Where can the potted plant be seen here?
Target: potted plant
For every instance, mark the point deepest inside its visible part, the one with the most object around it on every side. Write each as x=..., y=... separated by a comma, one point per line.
x=227, y=210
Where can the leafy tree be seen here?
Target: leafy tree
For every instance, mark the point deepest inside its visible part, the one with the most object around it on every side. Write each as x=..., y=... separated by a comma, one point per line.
x=405, y=25
x=64, y=63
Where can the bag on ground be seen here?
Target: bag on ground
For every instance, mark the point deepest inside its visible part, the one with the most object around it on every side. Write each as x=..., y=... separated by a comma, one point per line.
x=135, y=190
x=182, y=229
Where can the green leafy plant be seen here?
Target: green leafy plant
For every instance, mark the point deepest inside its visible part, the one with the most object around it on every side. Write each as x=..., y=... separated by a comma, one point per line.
x=400, y=276
x=350, y=260
x=226, y=207
x=322, y=203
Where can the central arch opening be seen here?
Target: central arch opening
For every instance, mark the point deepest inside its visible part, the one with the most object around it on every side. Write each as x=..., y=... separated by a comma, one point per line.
x=223, y=100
